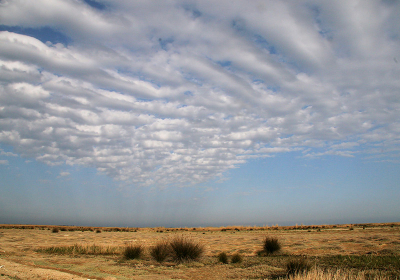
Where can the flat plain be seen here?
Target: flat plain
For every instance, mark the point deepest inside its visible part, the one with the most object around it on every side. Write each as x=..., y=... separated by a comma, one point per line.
x=373, y=249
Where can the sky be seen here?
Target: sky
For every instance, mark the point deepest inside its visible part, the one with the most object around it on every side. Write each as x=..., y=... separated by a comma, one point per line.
x=199, y=113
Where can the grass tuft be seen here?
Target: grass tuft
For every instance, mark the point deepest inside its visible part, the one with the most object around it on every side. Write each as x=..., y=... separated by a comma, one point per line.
x=271, y=245
x=160, y=251
x=133, y=252
x=236, y=258
x=223, y=257
x=184, y=249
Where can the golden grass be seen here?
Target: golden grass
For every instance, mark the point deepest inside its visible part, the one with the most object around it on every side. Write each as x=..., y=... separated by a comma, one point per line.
x=336, y=274
x=81, y=249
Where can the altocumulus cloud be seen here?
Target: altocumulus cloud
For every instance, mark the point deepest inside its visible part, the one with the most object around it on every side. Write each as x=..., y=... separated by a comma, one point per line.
x=178, y=92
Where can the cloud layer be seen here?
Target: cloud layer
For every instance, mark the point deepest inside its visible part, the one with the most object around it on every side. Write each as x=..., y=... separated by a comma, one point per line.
x=178, y=92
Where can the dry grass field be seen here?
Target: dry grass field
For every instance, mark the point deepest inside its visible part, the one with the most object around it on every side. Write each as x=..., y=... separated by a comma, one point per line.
x=363, y=251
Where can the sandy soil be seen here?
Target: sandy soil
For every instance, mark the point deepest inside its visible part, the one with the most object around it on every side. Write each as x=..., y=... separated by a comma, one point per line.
x=14, y=270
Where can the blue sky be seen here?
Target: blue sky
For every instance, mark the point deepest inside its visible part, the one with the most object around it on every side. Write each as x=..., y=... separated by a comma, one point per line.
x=198, y=113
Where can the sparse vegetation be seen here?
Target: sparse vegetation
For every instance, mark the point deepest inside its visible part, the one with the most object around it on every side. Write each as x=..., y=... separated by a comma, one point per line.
x=55, y=230
x=184, y=249
x=133, y=252
x=160, y=251
x=223, y=257
x=335, y=251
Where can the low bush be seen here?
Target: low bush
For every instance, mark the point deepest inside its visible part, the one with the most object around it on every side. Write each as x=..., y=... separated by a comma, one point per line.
x=223, y=257
x=183, y=249
x=55, y=230
x=271, y=245
x=236, y=258
x=133, y=252
x=160, y=251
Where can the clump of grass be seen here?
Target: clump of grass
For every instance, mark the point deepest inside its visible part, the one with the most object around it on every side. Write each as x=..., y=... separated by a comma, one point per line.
x=297, y=266
x=223, y=257
x=160, y=251
x=133, y=252
x=236, y=258
x=271, y=245
x=184, y=249
x=55, y=230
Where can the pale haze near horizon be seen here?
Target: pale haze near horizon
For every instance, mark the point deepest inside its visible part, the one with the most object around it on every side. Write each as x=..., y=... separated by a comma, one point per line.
x=198, y=113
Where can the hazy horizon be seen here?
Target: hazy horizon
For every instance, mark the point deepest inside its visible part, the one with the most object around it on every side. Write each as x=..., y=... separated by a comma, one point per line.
x=199, y=113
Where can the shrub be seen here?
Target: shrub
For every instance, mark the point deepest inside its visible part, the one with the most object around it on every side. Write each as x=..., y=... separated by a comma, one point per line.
x=223, y=257
x=133, y=252
x=55, y=230
x=161, y=251
x=236, y=258
x=271, y=245
x=297, y=266
x=98, y=231
x=183, y=249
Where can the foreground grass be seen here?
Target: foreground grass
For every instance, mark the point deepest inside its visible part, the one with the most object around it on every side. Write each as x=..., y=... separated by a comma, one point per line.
x=389, y=265
x=342, y=274
x=364, y=262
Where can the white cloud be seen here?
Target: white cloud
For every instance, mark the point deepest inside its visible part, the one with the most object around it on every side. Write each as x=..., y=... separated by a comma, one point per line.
x=180, y=92
x=8, y=154
x=4, y=162
x=63, y=174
